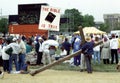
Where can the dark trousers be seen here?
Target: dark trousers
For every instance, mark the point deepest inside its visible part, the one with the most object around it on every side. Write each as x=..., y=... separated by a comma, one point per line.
x=106, y=61
x=68, y=52
x=6, y=65
x=114, y=54
x=88, y=63
x=1, y=61
x=77, y=60
x=39, y=58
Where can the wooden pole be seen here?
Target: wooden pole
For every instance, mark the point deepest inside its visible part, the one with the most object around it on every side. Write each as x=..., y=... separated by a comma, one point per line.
x=82, y=34
x=54, y=63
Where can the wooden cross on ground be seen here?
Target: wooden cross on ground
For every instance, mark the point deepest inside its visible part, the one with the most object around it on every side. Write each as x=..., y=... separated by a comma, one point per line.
x=63, y=59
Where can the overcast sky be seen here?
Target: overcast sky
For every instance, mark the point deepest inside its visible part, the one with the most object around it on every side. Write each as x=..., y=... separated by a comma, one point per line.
x=92, y=7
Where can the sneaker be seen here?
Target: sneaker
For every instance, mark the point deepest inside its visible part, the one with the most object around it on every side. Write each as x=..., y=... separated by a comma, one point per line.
x=16, y=72
x=2, y=75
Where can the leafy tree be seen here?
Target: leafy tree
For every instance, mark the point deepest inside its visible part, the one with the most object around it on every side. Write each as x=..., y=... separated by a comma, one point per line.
x=104, y=27
x=4, y=25
x=88, y=20
x=75, y=19
x=117, y=26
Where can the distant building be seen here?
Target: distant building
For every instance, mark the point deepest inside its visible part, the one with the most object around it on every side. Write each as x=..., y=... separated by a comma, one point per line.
x=113, y=20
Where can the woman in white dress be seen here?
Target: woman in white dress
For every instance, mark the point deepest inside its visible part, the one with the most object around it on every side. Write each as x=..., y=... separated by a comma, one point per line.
x=105, y=52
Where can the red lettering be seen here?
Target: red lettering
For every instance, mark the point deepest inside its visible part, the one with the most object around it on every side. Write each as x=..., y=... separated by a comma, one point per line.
x=43, y=25
x=52, y=26
x=55, y=10
x=45, y=9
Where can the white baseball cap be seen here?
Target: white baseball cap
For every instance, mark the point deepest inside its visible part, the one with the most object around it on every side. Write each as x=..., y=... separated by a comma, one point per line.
x=40, y=38
x=14, y=39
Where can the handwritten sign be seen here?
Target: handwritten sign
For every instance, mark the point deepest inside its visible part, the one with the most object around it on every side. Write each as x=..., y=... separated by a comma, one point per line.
x=49, y=18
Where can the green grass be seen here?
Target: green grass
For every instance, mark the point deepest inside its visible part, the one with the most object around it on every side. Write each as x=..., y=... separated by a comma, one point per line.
x=65, y=66
x=104, y=67
x=96, y=67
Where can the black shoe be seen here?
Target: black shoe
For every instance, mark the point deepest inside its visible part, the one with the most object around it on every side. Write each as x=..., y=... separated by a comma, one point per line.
x=81, y=70
x=41, y=63
x=89, y=72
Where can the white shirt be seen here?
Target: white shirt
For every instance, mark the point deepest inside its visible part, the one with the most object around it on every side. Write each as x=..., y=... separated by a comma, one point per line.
x=45, y=46
x=63, y=53
x=96, y=48
x=40, y=47
x=22, y=46
x=15, y=47
x=114, y=43
x=4, y=55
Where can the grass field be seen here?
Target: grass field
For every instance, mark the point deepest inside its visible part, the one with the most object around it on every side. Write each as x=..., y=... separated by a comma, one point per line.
x=96, y=67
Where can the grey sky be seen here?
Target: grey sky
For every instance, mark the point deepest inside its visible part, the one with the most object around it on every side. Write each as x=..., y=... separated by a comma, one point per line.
x=92, y=7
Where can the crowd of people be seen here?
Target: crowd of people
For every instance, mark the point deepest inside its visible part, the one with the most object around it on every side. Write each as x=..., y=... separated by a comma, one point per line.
x=106, y=52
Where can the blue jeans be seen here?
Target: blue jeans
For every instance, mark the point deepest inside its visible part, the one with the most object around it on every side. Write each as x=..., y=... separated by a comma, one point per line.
x=97, y=56
x=21, y=61
x=77, y=60
x=13, y=57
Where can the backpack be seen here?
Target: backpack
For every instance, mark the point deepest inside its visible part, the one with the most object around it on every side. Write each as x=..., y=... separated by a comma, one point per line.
x=9, y=51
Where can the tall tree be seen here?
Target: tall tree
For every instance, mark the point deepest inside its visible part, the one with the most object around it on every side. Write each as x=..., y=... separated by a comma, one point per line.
x=88, y=20
x=104, y=27
x=4, y=25
x=75, y=19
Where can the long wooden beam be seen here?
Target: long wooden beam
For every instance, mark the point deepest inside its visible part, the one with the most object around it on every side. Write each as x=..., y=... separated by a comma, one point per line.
x=82, y=34
x=54, y=63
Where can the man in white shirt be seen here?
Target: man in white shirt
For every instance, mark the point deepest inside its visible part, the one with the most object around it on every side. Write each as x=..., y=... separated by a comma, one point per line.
x=38, y=49
x=114, y=47
x=22, y=53
x=46, y=53
x=14, y=56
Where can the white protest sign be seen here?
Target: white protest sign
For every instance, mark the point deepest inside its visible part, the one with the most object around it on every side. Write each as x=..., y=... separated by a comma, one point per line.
x=49, y=18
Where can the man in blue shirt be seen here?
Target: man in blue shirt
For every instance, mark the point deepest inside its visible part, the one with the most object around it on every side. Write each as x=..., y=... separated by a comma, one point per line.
x=87, y=50
x=76, y=46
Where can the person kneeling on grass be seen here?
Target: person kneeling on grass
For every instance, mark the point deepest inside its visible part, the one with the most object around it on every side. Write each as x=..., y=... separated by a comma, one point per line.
x=25, y=68
x=63, y=53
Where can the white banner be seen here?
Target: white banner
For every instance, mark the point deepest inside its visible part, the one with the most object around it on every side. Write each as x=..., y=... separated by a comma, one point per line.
x=49, y=18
